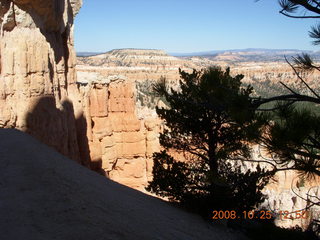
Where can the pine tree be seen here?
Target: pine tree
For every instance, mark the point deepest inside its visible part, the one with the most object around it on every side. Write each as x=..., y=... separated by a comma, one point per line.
x=208, y=121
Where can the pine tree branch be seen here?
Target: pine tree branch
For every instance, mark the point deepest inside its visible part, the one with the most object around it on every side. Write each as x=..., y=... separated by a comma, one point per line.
x=252, y=160
x=314, y=141
x=292, y=16
x=293, y=92
x=288, y=97
x=298, y=75
x=307, y=5
x=308, y=200
x=275, y=108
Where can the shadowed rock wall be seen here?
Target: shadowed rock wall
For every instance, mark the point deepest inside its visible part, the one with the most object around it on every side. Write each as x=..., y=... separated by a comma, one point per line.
x=37, y=76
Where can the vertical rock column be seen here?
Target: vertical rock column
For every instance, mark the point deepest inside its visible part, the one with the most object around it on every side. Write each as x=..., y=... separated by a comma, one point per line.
x=37, y=74
x=121, y=144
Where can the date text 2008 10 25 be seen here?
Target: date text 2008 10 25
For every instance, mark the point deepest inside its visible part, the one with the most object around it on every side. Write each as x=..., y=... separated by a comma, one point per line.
x=262, y=214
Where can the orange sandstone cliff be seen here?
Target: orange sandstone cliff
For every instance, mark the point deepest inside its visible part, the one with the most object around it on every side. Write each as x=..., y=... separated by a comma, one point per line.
x=121, y=145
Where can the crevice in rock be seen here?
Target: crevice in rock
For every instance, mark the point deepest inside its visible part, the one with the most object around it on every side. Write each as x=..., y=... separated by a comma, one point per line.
x=65, y=38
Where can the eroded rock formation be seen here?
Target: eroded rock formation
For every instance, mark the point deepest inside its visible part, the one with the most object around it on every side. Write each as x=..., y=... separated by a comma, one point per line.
x=109, y=103
x=120, y=143
x=37, y=78
x=135, y=64
x=95, y=118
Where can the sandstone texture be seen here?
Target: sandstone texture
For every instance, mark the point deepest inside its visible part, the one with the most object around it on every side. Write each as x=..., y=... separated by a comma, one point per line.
x=44, y=195
x=120, y=143
x=37, y=74
x=288, y=191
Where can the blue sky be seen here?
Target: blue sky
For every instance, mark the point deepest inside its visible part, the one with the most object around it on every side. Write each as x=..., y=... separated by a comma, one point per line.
x=188, y=25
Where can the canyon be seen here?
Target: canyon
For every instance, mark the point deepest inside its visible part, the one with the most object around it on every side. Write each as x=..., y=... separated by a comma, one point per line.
x=139, y=69
x=134, y=71
x=98, y=110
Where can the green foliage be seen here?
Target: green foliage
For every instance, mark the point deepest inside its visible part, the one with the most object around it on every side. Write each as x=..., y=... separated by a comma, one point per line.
x=293, y=137
x=169, y=177
x=288, y=6
x=246, y=185
x=146, y=96
x=210, y=120
x=209, y=109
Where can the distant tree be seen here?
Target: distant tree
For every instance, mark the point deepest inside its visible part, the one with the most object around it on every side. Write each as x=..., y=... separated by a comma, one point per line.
x=208, y=120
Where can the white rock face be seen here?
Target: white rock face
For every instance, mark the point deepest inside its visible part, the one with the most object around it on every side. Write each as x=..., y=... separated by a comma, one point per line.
x=289, y=194
x=37, y=78
x=291, y=204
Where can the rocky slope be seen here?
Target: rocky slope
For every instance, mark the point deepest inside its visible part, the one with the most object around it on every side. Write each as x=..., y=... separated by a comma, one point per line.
x=47, y=196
